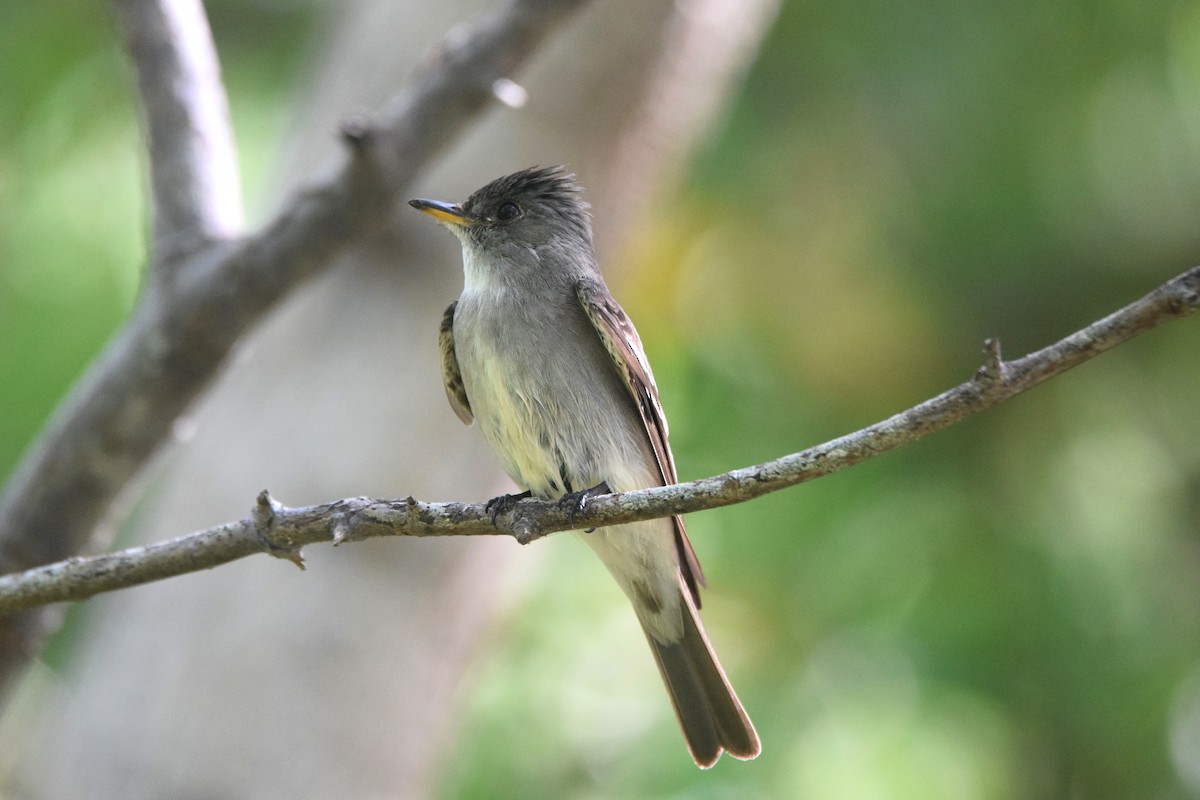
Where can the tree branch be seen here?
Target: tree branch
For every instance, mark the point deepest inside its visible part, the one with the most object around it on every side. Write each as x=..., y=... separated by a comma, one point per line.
x=282, y=531
x=193, y=166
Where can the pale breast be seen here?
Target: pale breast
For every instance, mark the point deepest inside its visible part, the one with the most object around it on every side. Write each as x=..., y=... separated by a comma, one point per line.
x=548, y=400
x=551, y=405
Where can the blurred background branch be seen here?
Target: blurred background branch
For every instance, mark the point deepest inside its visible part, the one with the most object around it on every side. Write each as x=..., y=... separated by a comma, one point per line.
x=193, y=167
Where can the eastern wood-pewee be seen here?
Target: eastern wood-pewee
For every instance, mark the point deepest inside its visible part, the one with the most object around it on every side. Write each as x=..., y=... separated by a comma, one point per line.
x=538, y=351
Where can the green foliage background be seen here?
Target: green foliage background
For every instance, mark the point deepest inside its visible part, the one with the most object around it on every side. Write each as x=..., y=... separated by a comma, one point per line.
x=1008, y=610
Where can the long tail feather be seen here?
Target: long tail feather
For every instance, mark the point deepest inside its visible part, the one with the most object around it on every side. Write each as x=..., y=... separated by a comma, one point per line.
x=708, y=709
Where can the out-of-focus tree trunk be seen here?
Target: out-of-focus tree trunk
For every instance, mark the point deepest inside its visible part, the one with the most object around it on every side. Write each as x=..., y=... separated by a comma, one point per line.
x=256, y=679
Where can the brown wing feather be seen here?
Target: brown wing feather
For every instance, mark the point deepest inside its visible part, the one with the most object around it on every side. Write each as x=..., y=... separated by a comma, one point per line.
x=456, y=393
x=623, y=344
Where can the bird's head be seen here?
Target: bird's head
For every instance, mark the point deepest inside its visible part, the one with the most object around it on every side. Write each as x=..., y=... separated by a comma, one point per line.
x=532, y=221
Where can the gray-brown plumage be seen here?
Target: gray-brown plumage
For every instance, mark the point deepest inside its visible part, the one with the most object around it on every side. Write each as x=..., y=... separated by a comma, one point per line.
x=538, y=352
x=451, y=377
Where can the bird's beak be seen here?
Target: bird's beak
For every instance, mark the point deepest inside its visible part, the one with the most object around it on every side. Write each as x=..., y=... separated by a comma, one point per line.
x=449, y=213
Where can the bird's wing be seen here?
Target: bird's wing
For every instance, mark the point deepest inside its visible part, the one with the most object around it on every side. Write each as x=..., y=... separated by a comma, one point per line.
x=621, y=341
x=456, y=393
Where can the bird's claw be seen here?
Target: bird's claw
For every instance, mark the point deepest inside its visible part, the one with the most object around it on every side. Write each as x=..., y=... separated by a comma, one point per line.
x=503, y=504
x=576, y=502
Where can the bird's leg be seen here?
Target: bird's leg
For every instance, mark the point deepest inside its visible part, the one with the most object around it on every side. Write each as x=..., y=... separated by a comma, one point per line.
x=575, y=502
x=504, y=503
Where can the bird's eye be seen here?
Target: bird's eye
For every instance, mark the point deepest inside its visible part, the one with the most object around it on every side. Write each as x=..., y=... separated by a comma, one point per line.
x=507, y=211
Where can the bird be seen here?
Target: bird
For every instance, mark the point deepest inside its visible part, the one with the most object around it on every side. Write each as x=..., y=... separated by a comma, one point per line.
x=538, y=352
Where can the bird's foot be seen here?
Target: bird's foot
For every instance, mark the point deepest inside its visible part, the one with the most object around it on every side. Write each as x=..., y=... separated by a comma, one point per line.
x=575, y=502
x=503, y=504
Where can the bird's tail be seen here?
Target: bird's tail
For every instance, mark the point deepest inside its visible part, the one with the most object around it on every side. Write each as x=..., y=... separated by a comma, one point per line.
x=709, y=711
